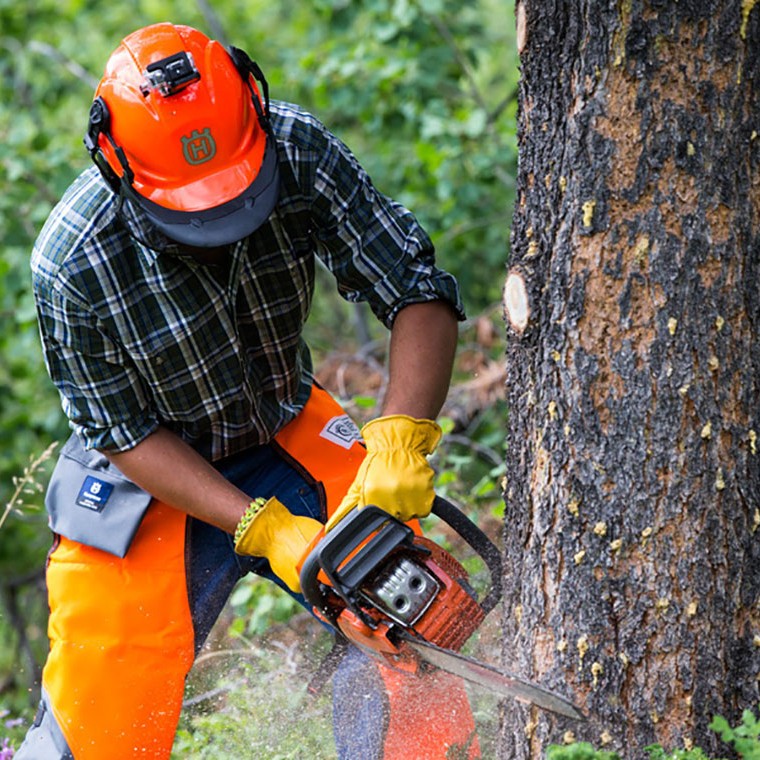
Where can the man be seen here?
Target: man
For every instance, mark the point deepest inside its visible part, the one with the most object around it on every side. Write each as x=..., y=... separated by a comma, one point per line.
x=172, y=283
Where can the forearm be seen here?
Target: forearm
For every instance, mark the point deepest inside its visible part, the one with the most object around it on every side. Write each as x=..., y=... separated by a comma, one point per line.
x=172, y=472
x=423, y=344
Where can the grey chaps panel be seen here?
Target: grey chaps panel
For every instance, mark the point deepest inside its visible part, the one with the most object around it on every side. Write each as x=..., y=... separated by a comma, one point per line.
x=44, y=740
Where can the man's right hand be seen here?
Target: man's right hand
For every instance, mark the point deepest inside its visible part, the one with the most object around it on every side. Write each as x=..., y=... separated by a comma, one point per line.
x=395, y=475
x=278, y=535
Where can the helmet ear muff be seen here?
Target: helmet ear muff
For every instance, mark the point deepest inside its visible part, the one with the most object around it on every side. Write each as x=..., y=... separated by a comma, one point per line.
x=99, y=123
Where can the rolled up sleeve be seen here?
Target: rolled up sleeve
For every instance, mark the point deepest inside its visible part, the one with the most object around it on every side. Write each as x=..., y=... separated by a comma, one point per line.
x=375, y=247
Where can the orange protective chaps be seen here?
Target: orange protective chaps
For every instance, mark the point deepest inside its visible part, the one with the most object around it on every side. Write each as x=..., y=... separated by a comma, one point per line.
x=121, y=641
x=122, y=638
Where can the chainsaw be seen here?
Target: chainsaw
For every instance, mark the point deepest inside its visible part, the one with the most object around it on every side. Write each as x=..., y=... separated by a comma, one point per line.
x=401, y=597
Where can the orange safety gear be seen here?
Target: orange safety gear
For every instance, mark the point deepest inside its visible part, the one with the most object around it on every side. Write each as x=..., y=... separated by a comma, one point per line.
x=121, y=641
x=436, y=705
x=122, y=636
x=178, y=126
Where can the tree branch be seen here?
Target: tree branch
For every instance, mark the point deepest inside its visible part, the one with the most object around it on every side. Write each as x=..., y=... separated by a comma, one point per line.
x=75, y=69
x=448, y=38
x=213, y=21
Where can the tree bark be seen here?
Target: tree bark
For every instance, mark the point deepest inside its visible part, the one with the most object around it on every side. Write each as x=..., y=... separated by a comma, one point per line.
x=633, y=348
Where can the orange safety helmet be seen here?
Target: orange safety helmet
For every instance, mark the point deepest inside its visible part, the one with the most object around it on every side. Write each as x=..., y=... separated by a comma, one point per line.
x=179, y=127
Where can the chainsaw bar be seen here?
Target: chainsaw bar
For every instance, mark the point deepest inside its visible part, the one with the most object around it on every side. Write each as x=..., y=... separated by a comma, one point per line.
x=491, y=678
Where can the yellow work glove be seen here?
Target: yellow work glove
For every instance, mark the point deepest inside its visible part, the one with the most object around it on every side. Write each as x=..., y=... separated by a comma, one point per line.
x=395, y=474
x=268, y=529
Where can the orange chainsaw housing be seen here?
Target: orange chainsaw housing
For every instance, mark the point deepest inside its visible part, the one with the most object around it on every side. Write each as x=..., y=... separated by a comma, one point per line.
x=451, y=618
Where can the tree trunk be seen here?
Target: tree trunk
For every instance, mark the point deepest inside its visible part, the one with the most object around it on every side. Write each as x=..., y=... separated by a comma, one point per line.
x=633, y=350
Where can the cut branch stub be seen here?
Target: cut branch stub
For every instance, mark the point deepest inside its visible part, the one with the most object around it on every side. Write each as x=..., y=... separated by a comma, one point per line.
x=516, y=301
x=521, y=19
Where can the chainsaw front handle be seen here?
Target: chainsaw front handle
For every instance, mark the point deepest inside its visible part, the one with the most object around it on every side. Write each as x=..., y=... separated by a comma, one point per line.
x=333, y=556
x=479, y=542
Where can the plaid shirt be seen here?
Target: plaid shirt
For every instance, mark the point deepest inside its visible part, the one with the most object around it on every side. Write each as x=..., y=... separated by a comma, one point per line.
x=135, y=338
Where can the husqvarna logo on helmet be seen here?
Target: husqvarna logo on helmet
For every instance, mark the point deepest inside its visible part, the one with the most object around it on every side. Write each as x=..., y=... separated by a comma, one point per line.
x=199, y=146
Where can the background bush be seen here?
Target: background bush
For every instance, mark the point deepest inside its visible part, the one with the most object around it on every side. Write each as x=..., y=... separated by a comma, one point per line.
x=424, y=93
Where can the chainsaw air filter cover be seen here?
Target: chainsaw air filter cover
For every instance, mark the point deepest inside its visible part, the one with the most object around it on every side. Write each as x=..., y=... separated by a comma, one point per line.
x=403, y=590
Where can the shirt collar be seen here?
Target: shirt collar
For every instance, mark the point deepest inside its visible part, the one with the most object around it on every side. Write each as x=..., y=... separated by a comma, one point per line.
x=150, y=255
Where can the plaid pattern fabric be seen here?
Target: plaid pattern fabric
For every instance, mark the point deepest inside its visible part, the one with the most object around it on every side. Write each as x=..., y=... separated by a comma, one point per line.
x=136, y=336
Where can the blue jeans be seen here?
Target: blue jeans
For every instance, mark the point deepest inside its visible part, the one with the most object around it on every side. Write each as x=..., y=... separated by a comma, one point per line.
x=359, y=707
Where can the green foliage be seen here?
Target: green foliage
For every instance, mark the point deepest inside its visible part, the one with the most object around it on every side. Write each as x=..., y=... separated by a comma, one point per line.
x=745, y=740
x=656, y=752
x=421, y=90
x=258, y=708
x=27, y=484
x=425, y=74
x=471, y=467
x=258, y=604
x=579, y=751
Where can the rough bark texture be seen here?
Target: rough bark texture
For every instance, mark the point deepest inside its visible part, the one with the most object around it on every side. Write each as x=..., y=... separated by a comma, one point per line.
x=633, y=352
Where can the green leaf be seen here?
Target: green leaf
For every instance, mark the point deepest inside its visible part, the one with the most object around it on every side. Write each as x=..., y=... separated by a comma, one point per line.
x=579, y=751
x=364, y=402
x=241, y=595
x=446, y=424
x=721, y=727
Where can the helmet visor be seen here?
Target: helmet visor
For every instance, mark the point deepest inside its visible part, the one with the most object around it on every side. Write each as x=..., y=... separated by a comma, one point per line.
x=224, y=224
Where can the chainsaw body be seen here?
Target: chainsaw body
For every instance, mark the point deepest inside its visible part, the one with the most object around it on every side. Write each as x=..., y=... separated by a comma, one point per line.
x=376, y=581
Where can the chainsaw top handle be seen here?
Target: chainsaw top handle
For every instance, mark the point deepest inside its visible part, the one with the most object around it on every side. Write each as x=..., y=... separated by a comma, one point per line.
x=378, y=534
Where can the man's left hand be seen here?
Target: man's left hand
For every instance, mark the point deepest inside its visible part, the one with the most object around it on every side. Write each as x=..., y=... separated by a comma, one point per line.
x=395, y=474
x=272, y=531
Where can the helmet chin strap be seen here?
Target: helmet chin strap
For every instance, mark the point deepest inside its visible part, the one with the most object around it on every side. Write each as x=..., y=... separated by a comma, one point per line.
x=249, y=68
